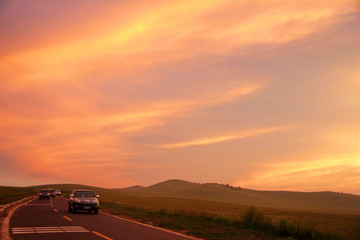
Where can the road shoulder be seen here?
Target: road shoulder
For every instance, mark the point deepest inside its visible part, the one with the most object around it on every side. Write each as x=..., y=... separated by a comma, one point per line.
x=5, y=221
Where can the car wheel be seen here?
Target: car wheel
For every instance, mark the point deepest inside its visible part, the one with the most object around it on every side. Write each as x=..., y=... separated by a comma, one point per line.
x=69, y=209
x=96, y=211
x=73, y=209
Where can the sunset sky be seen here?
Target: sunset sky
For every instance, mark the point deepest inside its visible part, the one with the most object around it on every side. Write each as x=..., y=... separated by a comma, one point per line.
x=257, y=94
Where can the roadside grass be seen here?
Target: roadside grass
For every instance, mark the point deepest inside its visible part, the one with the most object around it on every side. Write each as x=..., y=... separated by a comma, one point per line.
x=287, y=222
x=11, y=194
x=249, y=223
x=196, y=224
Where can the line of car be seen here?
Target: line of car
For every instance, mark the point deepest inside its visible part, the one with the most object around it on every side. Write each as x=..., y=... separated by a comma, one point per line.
x=80, y=199
x=47, y=193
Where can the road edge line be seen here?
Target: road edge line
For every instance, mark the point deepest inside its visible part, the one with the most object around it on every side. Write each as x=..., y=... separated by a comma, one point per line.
x=4, y=234
x=154, y=227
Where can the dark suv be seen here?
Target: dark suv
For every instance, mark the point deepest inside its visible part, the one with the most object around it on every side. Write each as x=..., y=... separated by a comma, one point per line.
x=52, y=192
x=44, y=193
x=83, y=199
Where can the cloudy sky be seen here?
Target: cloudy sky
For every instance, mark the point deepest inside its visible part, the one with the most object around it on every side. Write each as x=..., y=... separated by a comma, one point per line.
x=258, y=94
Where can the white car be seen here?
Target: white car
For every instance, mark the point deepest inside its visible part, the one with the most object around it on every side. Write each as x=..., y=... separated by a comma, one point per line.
x=57, y=192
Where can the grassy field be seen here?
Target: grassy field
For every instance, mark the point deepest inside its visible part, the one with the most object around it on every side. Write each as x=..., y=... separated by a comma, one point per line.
x=211, y=219
x=12, y=194
x=226, y=221
x=327, y=202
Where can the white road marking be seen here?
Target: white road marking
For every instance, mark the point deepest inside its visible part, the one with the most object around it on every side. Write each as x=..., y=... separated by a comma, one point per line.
x=74, y=229
x=23, y=230
x=61, y=229
x=39, y=204
x=47, y=229
x=41, y=228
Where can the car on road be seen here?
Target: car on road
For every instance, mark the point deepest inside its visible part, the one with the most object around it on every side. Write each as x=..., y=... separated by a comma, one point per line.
x=83, y=199
x=57, y=192
x=52, y=192
x=44, y=193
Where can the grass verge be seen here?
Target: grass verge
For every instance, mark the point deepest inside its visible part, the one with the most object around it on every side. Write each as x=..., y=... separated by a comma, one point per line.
x=251, y=225
x=12, y=194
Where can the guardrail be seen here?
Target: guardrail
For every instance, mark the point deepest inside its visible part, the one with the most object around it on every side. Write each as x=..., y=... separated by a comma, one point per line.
x=12, y=204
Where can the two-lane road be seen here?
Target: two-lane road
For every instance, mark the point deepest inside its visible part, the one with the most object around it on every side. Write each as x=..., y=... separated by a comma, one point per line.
x=49, y=219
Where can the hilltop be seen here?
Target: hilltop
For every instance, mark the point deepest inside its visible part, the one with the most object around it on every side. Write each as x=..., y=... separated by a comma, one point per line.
x=331, y=202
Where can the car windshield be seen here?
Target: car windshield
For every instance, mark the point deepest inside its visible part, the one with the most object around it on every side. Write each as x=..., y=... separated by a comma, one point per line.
x=44, y=191
x=84, y=194
x=51, y=191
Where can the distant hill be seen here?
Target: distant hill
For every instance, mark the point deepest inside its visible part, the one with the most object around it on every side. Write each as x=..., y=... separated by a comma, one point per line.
x=331, y=202
x=169, y=186
x=133, y=188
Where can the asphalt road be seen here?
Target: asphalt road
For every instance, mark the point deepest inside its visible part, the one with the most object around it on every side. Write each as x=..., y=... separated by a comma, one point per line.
x=49, y=219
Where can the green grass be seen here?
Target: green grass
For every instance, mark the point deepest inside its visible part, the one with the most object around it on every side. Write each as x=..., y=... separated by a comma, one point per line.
x=11, y=194
x=197, y=224
x=278, y=222
x=251, y=225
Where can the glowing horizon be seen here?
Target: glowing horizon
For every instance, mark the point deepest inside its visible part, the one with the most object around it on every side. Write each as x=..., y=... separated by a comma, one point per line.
x=259, y=95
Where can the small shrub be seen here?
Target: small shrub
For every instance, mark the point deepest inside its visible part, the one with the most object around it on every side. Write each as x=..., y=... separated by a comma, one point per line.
x=287, y=228
x=252, y=219
x=162, y=212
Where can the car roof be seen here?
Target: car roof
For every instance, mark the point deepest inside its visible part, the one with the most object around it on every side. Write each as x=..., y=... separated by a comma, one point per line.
x=83, y=189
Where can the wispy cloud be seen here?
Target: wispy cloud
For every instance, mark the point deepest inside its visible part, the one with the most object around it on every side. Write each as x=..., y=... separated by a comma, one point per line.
x=336, y=174
x=120, y=83
x=213, y=140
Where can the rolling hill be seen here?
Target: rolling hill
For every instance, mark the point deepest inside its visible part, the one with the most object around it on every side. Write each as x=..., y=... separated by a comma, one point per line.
x=331, y=202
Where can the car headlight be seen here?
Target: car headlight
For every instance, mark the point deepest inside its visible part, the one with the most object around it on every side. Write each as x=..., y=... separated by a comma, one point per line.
x=48, y=194
x=77, y=200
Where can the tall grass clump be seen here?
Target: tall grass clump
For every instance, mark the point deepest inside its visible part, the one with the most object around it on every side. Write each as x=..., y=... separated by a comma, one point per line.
x=287, y=228
x=253, y=219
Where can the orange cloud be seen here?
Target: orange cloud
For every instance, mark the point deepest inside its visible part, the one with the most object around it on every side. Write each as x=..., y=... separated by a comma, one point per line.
x=144, y=33
x=251, y=133
x=99, y=95
x=337, y=174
